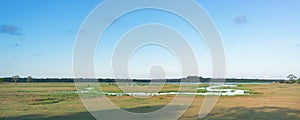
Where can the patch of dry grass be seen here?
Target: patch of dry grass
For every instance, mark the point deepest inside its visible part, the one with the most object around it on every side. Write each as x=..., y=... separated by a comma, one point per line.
x=58, y=101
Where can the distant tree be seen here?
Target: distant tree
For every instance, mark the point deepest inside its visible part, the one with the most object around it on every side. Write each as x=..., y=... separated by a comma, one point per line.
x=29, y=79
x=291, y=77
x=291, y=81
x=16, y=78
x=2, y=80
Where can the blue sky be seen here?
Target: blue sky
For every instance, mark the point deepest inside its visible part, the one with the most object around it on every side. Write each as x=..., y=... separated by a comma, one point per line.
x=261, y=38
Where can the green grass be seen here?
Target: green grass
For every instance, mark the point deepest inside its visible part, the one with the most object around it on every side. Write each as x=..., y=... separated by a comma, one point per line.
x=202, y=91
x=282, y=86
x=59, y=101
x=43, y=101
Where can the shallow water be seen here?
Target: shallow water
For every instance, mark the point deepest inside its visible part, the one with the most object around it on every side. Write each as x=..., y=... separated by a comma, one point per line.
x=226, y=83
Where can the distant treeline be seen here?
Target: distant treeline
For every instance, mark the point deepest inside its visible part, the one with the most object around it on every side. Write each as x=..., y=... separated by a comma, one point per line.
x=188, y=79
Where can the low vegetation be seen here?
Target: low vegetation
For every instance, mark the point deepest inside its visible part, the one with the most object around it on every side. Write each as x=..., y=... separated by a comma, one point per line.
x=2, y=80
x=292, y=79
x=49, y=101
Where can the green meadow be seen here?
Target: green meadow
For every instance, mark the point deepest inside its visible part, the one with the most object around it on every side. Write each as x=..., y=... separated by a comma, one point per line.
x=59, y=101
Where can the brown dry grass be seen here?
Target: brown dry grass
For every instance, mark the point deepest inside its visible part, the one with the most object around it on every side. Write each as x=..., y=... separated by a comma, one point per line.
x=280, y=101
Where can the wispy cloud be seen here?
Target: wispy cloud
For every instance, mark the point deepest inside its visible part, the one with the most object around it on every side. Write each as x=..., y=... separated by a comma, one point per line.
x=297, y=45
x=10, y=29
x=241, y=19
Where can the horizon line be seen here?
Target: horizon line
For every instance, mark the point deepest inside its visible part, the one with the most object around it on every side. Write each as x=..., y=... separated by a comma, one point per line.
x=260, y=78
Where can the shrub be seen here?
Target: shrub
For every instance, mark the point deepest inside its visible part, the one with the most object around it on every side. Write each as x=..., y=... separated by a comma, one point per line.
x=2, y=80
x=281, y=81
x=298, y=81
x=291, y=81
x=29, y=79
x=202, y=91
x=44, y=101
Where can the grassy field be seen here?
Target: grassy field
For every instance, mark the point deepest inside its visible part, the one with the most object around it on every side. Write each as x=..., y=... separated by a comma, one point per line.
x=60, y=102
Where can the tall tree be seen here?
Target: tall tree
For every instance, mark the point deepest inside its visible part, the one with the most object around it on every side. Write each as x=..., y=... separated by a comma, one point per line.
x=291, y=77
x=15, y=78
